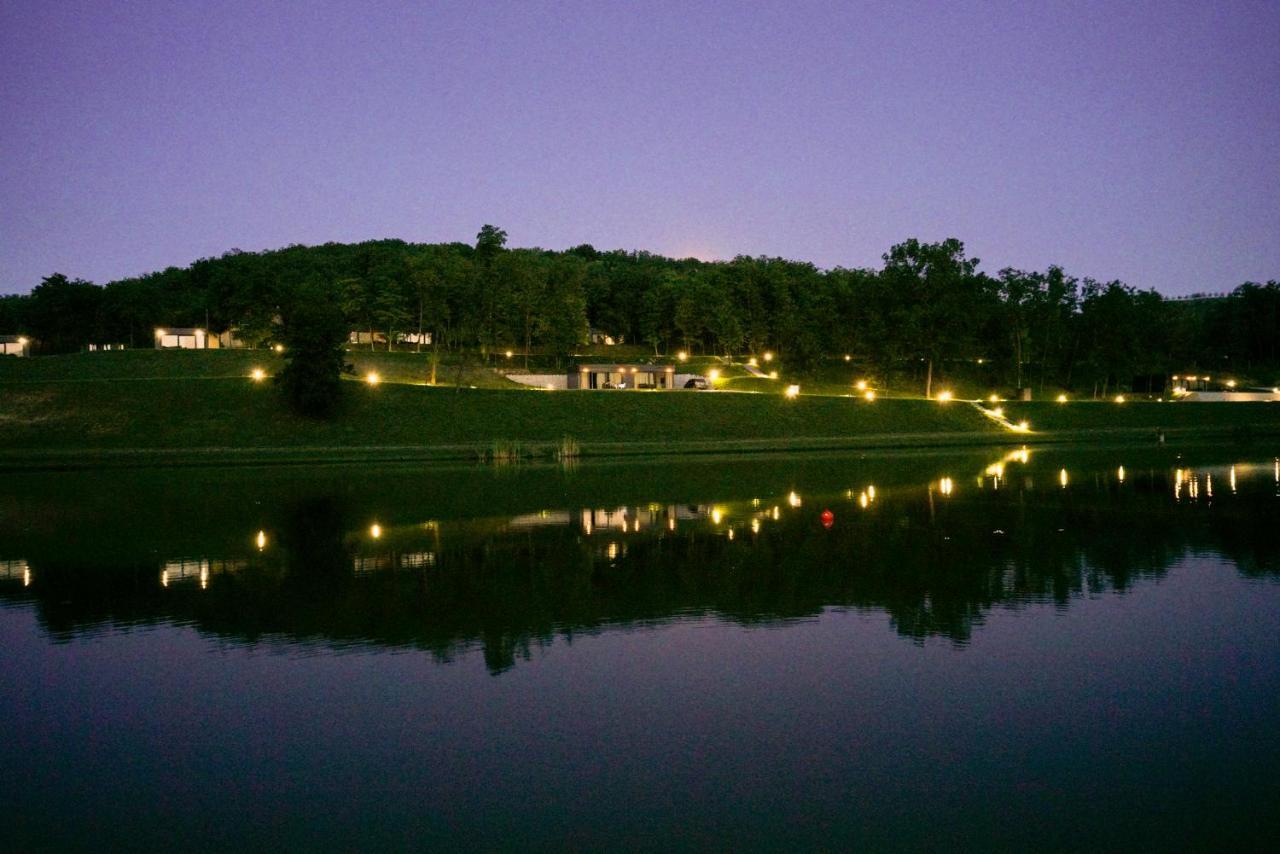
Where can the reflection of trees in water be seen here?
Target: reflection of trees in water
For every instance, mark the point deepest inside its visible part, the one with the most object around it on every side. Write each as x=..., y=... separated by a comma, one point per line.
x=935, y=568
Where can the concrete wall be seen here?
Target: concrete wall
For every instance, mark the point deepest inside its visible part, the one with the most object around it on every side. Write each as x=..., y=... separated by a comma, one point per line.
x=540, y=380
x=1232, y=396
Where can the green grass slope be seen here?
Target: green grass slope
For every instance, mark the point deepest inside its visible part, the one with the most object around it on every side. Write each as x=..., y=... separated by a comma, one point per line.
x=236, y=412
x=166, y=404
x=1172, y=417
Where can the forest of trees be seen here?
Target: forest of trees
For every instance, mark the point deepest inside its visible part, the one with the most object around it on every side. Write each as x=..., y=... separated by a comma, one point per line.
x=925, y=311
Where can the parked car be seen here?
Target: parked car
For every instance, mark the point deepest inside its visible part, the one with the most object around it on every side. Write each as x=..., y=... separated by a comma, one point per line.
x=697, y=382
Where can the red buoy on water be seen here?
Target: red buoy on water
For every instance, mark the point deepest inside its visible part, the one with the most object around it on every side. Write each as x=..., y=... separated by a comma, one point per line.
x=827, y=518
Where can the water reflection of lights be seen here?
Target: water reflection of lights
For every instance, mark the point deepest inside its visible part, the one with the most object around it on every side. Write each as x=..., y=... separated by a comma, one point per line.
x=863, y=500
x=261, y=540
x=612, y=551
x=793, y=499
x=1062, y=478
x=1120, y=474
x=755, y=526
x=731, y=534
x=945, y=486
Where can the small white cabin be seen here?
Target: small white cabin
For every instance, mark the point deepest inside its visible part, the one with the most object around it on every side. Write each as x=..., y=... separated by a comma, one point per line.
x=183, y=338
x=15, y=345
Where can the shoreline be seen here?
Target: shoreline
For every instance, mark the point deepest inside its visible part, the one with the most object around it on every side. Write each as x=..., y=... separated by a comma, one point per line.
x=56, y=459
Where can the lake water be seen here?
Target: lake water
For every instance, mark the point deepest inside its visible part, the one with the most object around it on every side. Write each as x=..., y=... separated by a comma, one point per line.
x=995, y=650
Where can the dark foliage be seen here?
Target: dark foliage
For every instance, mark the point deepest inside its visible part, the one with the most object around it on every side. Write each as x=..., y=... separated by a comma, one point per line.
x=927, y=310
x=314, y=331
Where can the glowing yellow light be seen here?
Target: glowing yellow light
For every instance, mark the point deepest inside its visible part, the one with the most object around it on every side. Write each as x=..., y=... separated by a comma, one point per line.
x=768, y=356
x=731, y=534
x=848, y=358
x=510, y=354
x=164, y=578
x=1021, y=456
x=160, y=333
x=682, y=356
x=871, y=493
x=1175, y=377
x=944, y=396
x=1233, y=479
x=793, y=391
x=613, y=551
x=375, y=530
x=753, y=361
x=1062, y=478
x=775, y=513
x=1120, y=474
x=945, y=486
x=860, y=385
x=998, y=412
x=1023, y=426
x=372, y=378
x=755, y=526
x=1208, y=379
x=1231, y=383
x=279, y=348
x=24, y=340
x=716, y=515
x=26, y=577
x=996, y=469
x=995, y=398
x=869, y=395
x=258, y=375
x=261, y=540
x=713, y=374
x=204, y=577
x=793, y=499
x=1062, y=398
x=1119, y=398
x=863, y=500
x=773, y=375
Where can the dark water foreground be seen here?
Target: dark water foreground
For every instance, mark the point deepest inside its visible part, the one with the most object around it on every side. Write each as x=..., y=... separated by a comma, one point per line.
x=1010, y=650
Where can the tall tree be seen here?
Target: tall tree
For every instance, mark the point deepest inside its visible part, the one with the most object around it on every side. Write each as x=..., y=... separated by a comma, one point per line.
x=937, y=290
x=314, y=330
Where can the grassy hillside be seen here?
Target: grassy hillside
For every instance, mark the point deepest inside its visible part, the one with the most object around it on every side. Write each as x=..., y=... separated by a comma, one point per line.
x=1091, y=415
x=195, y=403
x=235, y=412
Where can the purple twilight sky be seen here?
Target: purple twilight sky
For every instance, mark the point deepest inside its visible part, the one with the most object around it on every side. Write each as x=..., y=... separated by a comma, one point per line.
x=1138, y=141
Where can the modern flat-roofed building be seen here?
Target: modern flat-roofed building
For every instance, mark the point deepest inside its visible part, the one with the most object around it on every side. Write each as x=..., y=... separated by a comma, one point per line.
x=184, y=338
x=622, y=376
x=15, y=345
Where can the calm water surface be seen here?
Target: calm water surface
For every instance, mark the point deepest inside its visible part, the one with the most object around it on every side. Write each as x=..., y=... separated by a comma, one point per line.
x=1005, y=650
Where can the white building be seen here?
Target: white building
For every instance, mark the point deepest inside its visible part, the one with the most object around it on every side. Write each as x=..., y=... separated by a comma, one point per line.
x=183, y=338
x=15, y=345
